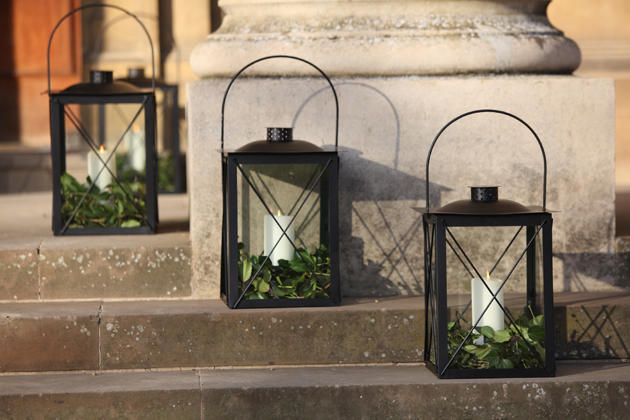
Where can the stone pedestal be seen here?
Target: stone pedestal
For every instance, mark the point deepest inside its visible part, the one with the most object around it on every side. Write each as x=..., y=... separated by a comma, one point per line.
x=402, y=70
x=379, y=38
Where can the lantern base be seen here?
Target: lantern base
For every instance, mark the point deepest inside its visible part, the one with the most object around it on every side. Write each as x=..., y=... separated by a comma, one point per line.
x=490, y=373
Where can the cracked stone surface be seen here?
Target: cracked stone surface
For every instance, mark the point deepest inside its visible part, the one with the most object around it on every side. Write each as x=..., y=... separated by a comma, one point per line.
x=202, y=333
x=35, y=265
x=145, y=269
x=134, y=396
x=49, y=337
x=206, y=333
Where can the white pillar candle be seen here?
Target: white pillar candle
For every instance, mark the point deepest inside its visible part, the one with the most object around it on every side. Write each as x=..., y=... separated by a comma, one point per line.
x=95, y=165
x=284, y=250
x=136, y=149
x=494, y=316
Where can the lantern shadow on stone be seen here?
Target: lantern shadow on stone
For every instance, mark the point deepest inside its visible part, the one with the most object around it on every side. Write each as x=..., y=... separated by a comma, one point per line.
x=378, y=237
x=488, y=317
x=378, y=242
x=280, y=242
x=112, y=200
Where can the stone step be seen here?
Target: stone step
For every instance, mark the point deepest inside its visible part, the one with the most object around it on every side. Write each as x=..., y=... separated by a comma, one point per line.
x=97, y=335
x=579, y=391
x=35, y=265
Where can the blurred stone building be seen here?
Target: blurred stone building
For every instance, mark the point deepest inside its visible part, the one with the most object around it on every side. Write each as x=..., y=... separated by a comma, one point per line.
x=105, y=39
x=97, y=38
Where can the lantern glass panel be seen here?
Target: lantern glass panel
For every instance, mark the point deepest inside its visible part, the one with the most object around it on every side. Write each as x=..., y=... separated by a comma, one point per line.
x=293, y=194
x=510, y=339
x=118, y=169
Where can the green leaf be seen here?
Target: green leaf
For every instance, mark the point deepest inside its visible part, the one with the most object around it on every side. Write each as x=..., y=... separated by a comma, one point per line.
x=130, y=223
x=523, y=322
x=482, y=351
x=471, y=348
x=247, y=270
x=263, y=286
x=450, y=325
x=540, y=350
x=536, y=333
x=539, y=320
x=501, y=336
x=278, y=291
x=284, y=264
x=298, y=265
x=487, y=331
x=492, y=358
x=505, y=364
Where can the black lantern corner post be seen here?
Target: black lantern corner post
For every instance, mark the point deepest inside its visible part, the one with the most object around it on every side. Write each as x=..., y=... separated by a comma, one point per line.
x=171, y=165
x=99, y=195
x=280, y=244
x=488, y=316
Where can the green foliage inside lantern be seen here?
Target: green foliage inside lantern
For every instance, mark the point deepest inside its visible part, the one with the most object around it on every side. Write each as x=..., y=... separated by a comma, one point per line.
x=503, y=349
x=307, y=275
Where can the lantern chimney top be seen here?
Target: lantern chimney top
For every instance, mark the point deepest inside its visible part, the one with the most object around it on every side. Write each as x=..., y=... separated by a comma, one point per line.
x=135, y=73
x=100, y=77
x=484, y=194
x=279, y=134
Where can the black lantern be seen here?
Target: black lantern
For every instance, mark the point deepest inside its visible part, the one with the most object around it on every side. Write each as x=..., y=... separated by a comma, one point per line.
x=493, y=322
x=280, y=220
x=171, y=172
x=98, y=195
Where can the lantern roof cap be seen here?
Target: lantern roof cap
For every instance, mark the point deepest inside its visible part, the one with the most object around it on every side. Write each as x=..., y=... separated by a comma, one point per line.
x=101, y=83
x=498, y=207
x=293, y=146
x=114, y=88
x=279, y=140
x=136, y=77
x=485, y=201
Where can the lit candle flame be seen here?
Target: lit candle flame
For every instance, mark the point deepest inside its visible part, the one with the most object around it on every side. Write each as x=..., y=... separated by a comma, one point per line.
x=136, y=128
x=102, y=150
x=487, y=275
x=279, y=214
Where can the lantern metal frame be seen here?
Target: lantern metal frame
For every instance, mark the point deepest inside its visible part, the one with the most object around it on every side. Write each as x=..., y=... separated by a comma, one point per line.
x=172, y=127
x=84, y=94
x=275, y=154
x=437, y=224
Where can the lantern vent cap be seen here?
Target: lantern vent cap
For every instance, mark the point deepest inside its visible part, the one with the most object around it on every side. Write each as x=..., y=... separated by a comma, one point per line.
x=485, y=201
x=101, y=83
x=137, y=77
x=280, y=140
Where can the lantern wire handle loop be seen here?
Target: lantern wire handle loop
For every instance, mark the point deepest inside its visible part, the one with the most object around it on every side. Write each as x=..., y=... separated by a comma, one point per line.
x=280, y=56
x=89, y=6
x=544, y=205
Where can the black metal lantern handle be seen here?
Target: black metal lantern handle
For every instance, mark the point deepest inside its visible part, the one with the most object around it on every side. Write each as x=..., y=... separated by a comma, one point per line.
x=280, y=56
x=88, y=6
x=544, y=205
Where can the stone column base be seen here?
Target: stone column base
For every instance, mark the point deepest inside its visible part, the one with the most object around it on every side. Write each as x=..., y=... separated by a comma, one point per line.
x=386, y=128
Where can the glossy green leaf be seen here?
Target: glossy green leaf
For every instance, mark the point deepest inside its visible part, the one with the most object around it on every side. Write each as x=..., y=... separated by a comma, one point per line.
x=487, y=331
x=501, y=336
x=536, y=333
x=505, y=364
x=247, y=270
x=130, y=223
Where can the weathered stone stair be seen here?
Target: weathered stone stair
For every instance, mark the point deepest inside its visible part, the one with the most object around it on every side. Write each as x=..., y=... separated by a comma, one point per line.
x=137, y=345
